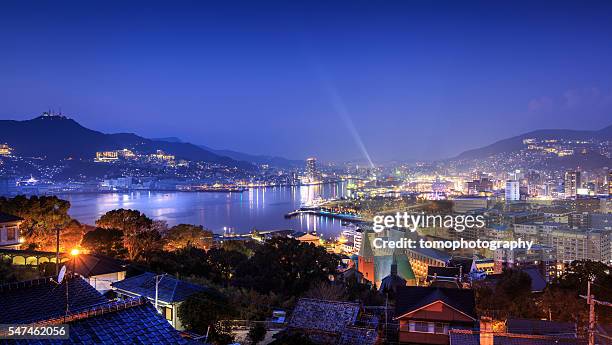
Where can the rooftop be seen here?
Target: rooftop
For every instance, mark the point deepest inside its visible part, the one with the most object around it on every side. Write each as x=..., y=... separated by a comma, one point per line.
x=35, y=300
x=411, y=298
x=170, y=289
x=322, y=315
x=8, y=218
x=88, y=265
x=133, y=321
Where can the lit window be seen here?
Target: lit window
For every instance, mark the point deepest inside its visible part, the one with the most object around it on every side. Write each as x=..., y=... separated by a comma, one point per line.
x=168, y=313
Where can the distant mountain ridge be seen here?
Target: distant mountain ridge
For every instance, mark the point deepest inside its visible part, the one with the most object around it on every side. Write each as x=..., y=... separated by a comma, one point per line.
x=516, y=143
x=58, y=137
x=240, y=156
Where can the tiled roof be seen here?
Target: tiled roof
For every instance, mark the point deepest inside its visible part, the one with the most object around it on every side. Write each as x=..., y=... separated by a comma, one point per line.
x=88, y=265
x=7, y=218
x=170, y=289
x=35, y=300
x=321, y=315
x=411, y=298
x=358, y=336
x=127, y=322
x=541, y=327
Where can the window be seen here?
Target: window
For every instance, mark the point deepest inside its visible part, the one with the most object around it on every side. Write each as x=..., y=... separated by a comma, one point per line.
x=11, y=234
x=428, y=327
x=167, y=313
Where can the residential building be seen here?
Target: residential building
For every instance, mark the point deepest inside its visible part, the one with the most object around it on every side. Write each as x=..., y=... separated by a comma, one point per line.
x=542, y=257
x=572, y=183
x=9, y=231
x=171, y=292
x=99, y=271
x=512, y=191
x=427, y=314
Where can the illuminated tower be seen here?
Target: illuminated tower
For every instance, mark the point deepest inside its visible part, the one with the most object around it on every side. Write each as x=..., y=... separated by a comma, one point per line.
x=311, y=169
x=572, y=183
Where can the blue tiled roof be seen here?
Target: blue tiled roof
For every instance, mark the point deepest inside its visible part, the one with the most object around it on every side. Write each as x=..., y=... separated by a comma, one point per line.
x=40, y=299
x=170, y=289
x=130, y=322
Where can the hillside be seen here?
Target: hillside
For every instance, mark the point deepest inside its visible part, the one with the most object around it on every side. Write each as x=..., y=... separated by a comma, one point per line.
x=516, y=143
x=58, y=137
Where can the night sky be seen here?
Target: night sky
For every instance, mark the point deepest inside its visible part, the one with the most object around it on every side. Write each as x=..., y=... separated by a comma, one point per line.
x=413, y=80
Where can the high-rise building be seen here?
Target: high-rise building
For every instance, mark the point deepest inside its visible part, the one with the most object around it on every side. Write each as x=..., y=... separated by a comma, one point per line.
x=513, y=190
x=311, y=169
x=610, y=182
x=572, y=183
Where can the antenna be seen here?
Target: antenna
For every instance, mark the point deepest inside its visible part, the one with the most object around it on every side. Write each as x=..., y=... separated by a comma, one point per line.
x=61, y=274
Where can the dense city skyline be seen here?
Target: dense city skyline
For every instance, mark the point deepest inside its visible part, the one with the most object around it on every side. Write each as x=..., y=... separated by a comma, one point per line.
x=317, y=77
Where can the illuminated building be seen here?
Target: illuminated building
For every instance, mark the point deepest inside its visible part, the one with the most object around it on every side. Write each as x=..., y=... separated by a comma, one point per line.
x=126, y=154
x=572, y=183
x=5, y=150
x=512, y=190
x=610, y=182
x=311, y=169
x=106, y=156
x=542, y=257
x=162, y=156
x=483, y=185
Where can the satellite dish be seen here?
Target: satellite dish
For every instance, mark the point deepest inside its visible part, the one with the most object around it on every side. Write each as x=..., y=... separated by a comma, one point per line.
x=61, y=274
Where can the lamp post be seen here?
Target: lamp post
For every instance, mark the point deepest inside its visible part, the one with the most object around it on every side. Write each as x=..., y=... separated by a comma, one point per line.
x=74, y=253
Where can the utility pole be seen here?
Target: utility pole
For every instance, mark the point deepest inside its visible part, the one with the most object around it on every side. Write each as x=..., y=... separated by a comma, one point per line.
x=591, y=301
x=591, y=315
x=57, y=240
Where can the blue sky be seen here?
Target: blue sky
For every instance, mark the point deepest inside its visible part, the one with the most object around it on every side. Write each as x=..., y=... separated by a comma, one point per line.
x=410, y=79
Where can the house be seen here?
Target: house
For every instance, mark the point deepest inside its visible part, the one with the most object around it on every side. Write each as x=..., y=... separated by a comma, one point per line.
x=330, y=322
x=171, y=292
x=9, y=231
x=91, y=318
x=98, y=270
x=427, y=314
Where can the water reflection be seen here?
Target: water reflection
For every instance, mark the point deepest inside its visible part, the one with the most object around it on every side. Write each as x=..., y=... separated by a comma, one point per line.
x=258, y=208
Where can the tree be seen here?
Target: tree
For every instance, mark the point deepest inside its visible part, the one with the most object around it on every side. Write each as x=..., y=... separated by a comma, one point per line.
x=205, y=309
x=257, y=333
x=42, y=217
x=104, y=241
x=285, y=266
x=71, y=236
x=511, y=295
x=185, y=235
x=128, y=221
x=139, y=235
x=223, y=264
x=326, y=291
x=142, y=243
x=562, y=300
